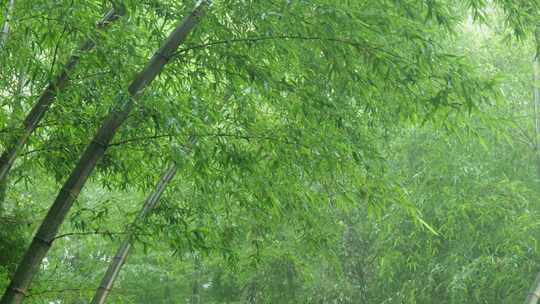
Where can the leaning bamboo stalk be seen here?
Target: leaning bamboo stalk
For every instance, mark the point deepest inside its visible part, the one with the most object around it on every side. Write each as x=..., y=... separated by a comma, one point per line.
x=46, y=99
x=3, y=39
x=121, y=254
x=44, y=237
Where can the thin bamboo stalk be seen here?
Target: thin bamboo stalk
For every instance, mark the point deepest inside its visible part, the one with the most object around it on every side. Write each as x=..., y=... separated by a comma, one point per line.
x=534, y=294
x=121, y=254
x=47, y=97
x=6, y=26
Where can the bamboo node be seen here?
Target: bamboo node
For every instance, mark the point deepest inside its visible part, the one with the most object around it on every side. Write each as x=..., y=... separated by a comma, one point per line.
x=163, y=56
x=103, y=145
x=18, y=290
x=104, y=288
x=69, y=192
x=536, y=294
x=43, y=241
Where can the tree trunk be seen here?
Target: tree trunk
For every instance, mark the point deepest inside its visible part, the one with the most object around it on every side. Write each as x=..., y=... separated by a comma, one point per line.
x=94, y=151
x=114, y=267
x=46, y=98
x=5, y=27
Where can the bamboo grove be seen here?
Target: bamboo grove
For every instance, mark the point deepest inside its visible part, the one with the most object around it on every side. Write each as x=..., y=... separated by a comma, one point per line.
x=246, y=151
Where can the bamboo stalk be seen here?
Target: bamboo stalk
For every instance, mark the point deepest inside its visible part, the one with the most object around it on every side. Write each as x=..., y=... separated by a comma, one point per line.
x=46, y=99
x=195, y=286
x=6, y=26
x=44, y=237
x=121, y=254
x=536, y=104
x=534, y=293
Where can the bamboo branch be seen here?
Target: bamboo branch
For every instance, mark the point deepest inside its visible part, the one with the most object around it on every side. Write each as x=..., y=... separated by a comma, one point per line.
x=78, y=290
x=108, y=233
x=353, y=43
x=135, y=140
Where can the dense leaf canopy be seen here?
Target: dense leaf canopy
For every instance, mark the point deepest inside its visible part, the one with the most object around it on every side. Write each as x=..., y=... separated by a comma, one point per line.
x=326, y=151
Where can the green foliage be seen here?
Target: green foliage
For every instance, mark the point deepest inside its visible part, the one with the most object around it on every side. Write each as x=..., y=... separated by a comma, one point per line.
x=327, y=151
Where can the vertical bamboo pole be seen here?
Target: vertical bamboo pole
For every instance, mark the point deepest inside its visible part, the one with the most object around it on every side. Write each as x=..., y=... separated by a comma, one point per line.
x=534, y=294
